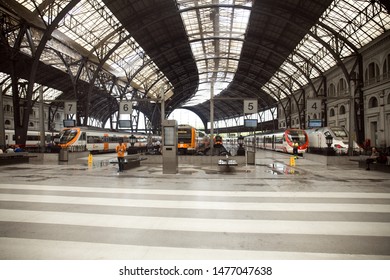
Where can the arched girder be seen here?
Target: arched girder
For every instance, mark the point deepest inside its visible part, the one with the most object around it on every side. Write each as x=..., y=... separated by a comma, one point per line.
x=21, y=132
x=152, y=17
x=206, y=6
x=313, y=35
x=264, y=70
x=339, y=36
x=257, y=92
x=257, y=45
x=288, y=21
x=278, y=17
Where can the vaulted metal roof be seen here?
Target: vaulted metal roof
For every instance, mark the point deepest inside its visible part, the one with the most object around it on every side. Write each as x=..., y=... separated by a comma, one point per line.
x=104, y=51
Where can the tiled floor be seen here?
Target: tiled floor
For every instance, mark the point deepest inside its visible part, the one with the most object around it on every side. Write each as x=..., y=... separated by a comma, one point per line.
x=264, y=211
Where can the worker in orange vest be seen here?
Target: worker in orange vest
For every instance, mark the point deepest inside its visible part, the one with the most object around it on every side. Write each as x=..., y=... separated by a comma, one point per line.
x=120, y=150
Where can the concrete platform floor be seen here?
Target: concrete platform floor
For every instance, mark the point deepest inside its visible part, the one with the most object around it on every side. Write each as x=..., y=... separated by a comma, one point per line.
x=263, y=211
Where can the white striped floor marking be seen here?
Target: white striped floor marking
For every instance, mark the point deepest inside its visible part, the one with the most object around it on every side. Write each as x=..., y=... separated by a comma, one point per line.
x=125, y=202
x=200, y=225
x=239, y=193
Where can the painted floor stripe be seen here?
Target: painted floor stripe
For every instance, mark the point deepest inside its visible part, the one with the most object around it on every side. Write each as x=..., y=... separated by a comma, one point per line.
x=309, y=207
x=201, y=192
x=15, y=248
x=199, y=225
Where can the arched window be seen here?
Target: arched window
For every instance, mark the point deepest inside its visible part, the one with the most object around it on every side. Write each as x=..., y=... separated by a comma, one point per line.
x=342, y=87
x=332, y=90
x=342, y=110
x=372, y=74
x=373, y=102
x=7, y=122
x=315, y=116
x=8, y=108
x=31, y=124
x=331, y=112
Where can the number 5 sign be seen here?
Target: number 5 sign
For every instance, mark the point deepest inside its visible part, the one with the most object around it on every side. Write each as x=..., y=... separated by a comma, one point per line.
x=313, y=106
x=250, y=106
x=125, y=108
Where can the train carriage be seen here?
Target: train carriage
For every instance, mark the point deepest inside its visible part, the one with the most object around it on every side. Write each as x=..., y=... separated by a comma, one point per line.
x=340, y=139
x=280, y=141
x=33, y=139
x=79, y=138
x=186, y=139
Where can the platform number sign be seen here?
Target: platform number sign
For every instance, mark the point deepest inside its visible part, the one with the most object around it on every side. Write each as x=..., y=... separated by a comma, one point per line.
x=250, y=106
x=313, y=106
x=70, y=107
x=125, y=108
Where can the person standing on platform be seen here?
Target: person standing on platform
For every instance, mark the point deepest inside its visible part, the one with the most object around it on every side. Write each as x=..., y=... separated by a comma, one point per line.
x=120, y=150
x=295, y=148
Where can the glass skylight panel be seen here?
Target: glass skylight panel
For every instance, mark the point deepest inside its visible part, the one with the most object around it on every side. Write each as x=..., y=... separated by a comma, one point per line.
x=30, y=4
x=51, y=94
x=358, y=21
x=86, y=26
x=225, y=26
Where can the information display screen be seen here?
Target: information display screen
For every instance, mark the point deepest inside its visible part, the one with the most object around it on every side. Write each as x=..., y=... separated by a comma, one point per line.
x=69, y=123
x=250, y=123
x=169, y=136
x=124, y=123
x=315, y=123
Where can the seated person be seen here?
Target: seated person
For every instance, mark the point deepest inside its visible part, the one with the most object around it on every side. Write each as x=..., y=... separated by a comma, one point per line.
x=18, y=149
x=9, y=150
x=373, y=157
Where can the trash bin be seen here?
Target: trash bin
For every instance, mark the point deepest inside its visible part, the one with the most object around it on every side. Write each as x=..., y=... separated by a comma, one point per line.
x=250, y=157
x=63, y=155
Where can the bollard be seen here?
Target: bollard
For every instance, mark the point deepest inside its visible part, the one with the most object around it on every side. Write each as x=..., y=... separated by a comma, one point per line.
x=90, y=159
x=292, y=161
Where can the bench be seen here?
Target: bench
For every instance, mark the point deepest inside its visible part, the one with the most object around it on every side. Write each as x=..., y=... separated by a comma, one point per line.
x=383, y=167
x=130, y=161
x=227, y=163
x=14, y=158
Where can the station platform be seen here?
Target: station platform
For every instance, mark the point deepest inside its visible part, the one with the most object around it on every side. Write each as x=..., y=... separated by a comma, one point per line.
x=269, y=210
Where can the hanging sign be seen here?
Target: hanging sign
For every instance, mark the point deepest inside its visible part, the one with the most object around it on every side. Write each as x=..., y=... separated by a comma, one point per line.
x=250, y=106
x=125, y=108
x=313, y=106
x=70, y=107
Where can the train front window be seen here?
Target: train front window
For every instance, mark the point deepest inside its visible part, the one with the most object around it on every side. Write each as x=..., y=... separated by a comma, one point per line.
x=340, y=132
x=67, y=135
x=184, y=136
x=298, y=136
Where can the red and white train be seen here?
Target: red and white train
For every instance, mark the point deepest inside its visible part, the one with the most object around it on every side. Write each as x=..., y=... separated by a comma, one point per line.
x=280, y=141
